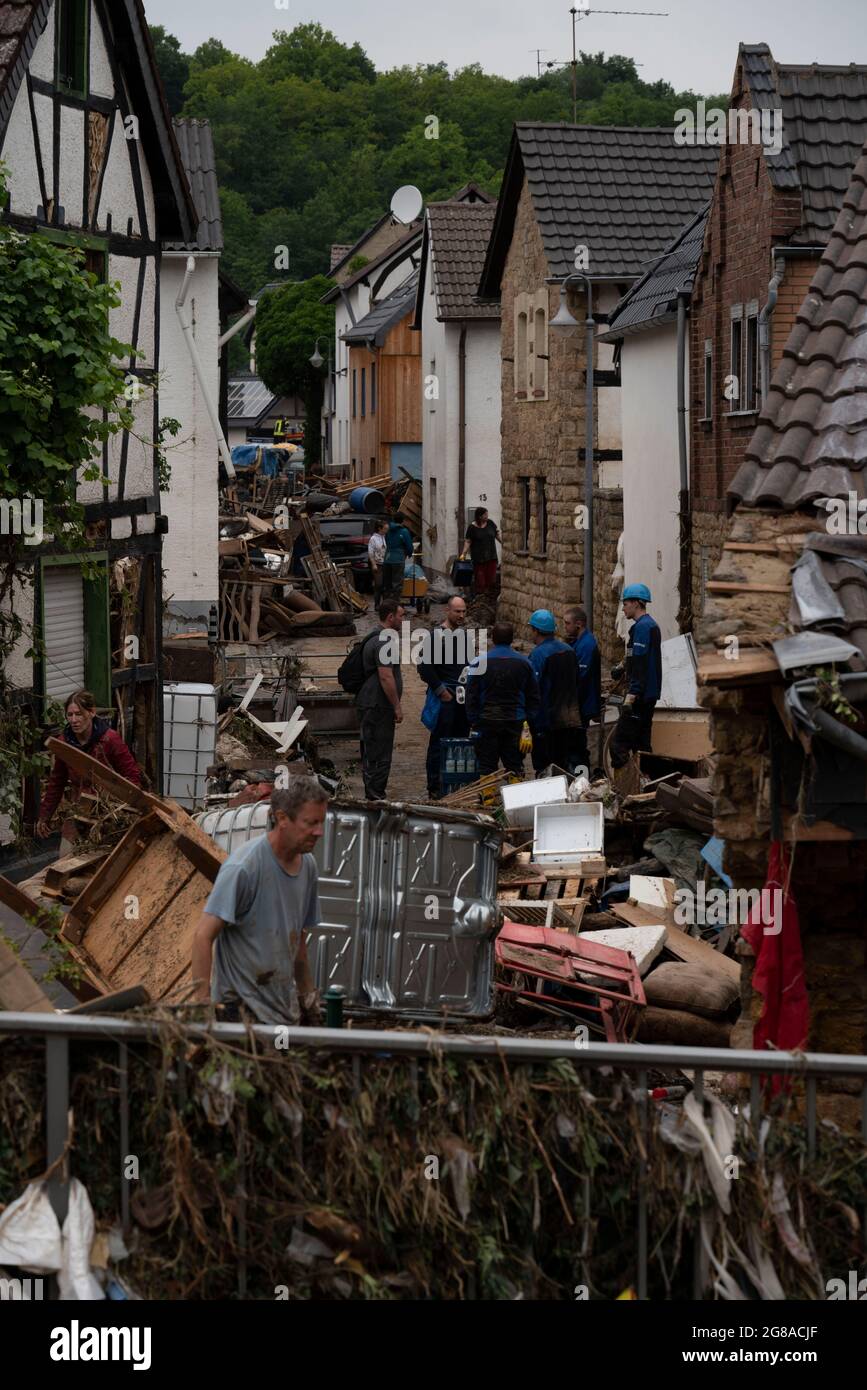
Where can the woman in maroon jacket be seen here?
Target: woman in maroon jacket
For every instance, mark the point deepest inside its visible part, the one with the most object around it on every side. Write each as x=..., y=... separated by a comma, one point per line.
x=95, y=736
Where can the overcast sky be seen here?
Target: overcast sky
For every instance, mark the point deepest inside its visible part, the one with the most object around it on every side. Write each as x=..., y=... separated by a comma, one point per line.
x=695, y=47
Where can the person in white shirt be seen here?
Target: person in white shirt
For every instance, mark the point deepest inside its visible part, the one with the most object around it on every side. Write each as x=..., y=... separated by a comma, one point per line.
x=376, y=548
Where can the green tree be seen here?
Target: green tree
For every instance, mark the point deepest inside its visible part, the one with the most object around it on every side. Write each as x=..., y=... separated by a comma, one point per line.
x=315, y=54
x=288, y=322
x=173, y=65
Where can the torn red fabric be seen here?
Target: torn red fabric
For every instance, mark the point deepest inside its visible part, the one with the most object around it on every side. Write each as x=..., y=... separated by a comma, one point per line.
x=774, y=933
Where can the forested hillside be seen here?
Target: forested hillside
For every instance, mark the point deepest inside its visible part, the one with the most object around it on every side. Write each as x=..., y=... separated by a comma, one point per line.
x=312, y=141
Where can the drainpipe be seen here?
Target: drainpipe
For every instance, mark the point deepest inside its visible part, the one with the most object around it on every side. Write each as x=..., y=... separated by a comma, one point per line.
x=590, y=326
x=779, y=256
x=187, y=330
x=765, y=326
x=462, y=437
x=684, y=583
x=236, y=327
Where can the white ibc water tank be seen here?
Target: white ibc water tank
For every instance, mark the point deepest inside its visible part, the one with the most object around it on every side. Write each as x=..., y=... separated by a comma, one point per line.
x=235, y=826
x=189, y=740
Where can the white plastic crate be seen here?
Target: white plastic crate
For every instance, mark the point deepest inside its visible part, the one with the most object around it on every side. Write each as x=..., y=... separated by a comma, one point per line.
x=566, y=834
x=189, y=740
x=521, y=798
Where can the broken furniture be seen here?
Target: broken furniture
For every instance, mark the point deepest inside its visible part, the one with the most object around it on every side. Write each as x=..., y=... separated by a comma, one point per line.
x=559, y=974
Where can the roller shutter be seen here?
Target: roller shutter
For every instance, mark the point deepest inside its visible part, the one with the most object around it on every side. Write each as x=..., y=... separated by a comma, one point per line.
x=63, y=629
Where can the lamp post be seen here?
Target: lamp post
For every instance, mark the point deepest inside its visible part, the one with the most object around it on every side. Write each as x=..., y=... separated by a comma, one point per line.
x=317, y=361
x=564, y=322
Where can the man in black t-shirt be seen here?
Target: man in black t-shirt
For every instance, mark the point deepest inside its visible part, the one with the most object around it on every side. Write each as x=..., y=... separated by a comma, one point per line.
x=481, y=546
x=378, y=700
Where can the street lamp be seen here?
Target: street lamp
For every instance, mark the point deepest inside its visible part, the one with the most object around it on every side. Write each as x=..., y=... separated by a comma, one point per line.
x=317, y=360
x=564, y=323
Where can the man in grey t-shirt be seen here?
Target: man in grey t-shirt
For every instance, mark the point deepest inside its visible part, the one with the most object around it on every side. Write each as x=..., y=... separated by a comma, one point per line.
x=264, y=899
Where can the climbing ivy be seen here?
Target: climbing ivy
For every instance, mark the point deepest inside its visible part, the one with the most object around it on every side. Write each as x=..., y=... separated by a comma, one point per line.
x=63, y=394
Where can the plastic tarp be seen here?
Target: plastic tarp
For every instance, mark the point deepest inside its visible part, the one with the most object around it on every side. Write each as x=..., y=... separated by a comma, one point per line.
x=31, y=1239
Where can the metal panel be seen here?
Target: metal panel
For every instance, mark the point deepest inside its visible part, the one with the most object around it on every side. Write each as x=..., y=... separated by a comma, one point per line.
x=408, y=898
x=63, y=609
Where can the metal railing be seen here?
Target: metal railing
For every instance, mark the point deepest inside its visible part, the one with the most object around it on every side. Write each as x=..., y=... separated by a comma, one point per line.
x=58, y=1030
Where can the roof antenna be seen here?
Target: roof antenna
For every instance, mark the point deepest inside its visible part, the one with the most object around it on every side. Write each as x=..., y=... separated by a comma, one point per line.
x=583, y=11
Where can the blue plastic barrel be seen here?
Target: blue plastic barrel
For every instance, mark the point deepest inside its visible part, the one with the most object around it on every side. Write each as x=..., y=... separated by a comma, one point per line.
x=368, y=500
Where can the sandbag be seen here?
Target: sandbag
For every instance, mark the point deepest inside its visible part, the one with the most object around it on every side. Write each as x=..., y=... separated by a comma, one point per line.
x=681, y=1029
x=679, y=985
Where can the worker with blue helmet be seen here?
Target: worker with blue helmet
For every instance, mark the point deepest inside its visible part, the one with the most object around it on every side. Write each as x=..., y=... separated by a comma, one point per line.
x=643, y=676
x=556, y=727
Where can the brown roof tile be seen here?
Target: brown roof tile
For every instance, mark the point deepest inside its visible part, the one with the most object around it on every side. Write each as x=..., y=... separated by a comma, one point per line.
x=459, y=236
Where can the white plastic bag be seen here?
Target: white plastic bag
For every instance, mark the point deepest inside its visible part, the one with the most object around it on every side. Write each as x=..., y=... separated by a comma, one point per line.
x=30, y=1234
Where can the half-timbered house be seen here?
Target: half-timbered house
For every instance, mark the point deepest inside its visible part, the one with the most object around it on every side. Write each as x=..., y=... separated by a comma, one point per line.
x=92, y=162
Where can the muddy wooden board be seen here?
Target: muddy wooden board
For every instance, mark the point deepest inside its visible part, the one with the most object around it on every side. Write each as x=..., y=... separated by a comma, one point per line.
x=134, y=923
x=19, y=992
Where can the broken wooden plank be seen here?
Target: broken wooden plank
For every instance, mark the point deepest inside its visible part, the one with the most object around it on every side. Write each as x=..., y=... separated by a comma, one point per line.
x=72, y=865
x=102, y=776
x=725, y=586
x=750, y=665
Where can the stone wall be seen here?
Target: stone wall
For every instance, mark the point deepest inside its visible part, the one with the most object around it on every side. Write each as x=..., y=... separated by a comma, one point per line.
x=708, y=534
x=827, y=877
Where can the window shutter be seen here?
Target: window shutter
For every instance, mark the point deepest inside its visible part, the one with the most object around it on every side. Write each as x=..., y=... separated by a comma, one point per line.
x=63, y=629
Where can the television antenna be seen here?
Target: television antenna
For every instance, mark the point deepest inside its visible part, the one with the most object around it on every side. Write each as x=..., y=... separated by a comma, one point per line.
x=583, y=11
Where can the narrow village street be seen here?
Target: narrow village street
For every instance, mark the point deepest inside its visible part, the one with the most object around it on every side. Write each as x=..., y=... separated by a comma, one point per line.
x=433, y=674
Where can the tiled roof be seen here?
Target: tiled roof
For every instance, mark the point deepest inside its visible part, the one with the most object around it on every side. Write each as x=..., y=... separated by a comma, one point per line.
x=248, y=398
x=653, y=299
x=196, y=145
x=811, y=440
x=622, y=192
x=824, y=127
x=21, y=23
x=458, y=235
x=376, y=326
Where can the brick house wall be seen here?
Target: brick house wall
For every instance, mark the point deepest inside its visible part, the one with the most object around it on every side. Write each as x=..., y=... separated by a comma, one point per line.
x=748, y=217
x=541, y=440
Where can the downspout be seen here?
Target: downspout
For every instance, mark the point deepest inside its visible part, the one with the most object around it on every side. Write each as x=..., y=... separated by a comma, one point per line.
x=462, y=437
x=779, y=256
x=684, y=583
x=590, y=326
x=765, y=326
x=187, y=330
x=236, y=327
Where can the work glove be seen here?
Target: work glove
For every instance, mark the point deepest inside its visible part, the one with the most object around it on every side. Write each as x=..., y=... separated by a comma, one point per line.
x=629, y=701
x=617, y=672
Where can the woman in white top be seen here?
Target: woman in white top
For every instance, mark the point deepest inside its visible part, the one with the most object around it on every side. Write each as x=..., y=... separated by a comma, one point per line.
x=376, y=548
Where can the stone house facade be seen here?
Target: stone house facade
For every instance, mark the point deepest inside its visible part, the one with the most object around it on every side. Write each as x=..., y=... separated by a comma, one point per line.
x=572, y=195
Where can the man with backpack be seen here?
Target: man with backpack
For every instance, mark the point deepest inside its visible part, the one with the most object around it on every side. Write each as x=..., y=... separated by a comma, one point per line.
x=372, y=674
x=398, y=549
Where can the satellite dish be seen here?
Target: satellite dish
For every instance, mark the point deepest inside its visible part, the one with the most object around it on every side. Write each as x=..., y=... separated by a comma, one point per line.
x=407, y=205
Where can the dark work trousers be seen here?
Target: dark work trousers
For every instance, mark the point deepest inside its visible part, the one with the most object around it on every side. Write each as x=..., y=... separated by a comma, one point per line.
x=392, y=580
x=377, y=744
x=582, y=750
x=632, y=731
x=500, y=741
x=560, y=746
x=452, y=723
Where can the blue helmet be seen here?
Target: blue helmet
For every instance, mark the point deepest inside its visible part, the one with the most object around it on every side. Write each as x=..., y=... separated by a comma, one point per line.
x=543, y=620
x=637, y=591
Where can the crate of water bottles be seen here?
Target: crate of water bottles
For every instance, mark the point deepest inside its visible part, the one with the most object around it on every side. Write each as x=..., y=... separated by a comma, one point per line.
x=458, y=764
